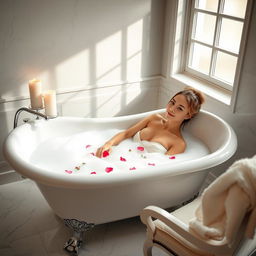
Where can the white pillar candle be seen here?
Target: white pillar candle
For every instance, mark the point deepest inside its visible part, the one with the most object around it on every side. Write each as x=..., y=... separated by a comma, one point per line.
x=50, y=103
x=35, y=92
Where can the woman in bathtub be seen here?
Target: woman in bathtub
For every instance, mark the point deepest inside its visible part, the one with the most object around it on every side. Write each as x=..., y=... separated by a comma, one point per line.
x=162, y=133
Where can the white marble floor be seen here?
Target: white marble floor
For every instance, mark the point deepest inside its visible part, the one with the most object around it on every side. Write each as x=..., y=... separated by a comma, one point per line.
x=28, y=227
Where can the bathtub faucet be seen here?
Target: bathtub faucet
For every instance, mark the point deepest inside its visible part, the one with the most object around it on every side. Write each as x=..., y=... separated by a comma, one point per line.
x=17, y=114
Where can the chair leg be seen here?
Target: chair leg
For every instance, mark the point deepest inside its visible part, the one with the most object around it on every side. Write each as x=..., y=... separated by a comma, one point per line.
x=147, y=248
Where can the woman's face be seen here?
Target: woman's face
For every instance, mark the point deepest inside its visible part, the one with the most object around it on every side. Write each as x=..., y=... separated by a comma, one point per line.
x=178, y=109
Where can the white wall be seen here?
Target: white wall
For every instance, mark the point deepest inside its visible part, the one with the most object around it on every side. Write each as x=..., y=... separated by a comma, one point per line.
x=103, y=57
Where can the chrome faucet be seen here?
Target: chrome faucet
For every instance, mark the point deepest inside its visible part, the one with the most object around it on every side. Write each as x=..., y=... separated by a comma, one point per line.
x=16, y=117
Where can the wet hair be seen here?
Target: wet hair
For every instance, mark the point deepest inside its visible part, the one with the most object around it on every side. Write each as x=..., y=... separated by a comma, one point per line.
x=194, y=98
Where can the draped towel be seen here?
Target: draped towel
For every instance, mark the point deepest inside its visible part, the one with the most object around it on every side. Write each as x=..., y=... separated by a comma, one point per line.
x=226, y=201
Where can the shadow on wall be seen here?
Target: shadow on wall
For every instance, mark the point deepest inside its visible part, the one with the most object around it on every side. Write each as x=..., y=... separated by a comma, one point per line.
x=79, y=45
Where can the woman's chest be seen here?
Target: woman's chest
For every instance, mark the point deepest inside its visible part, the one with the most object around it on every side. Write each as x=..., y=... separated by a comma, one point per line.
x=157, y=133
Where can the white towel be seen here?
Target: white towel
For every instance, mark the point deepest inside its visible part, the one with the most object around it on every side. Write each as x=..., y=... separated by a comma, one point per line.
x=226, y=201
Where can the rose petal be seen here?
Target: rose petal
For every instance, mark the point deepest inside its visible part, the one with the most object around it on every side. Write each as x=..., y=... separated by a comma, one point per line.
x=87, y=146
x=105, y=153
x=108, y=169
x=68, y=171
x=152, y=164
x=122, y=159
x=172, y=157
x=133, y=168
x=93, y=172
x=140, y=148
x=93, y=154
x=77, y=167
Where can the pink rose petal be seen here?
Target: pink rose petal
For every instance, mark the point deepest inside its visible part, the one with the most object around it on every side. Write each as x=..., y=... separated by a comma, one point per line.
x=140, y=148
x=108, y=169
x=93, y=154
x=122, y=159
x=68, y=171
x=87, y=146
x=105, y=153
x=152, y=164
x=172, y=157
x=133, y=168
x=93, y=172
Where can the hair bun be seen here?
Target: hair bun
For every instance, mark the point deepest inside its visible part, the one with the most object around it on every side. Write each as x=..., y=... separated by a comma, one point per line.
x=199, y=94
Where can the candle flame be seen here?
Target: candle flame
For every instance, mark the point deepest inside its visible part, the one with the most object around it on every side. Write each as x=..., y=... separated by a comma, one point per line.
x=34, y=80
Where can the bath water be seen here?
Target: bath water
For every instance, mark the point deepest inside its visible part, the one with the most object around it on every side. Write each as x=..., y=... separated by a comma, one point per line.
x=75, y=154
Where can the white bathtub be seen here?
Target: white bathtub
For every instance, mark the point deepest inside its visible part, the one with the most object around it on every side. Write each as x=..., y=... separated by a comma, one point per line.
x=117, y=195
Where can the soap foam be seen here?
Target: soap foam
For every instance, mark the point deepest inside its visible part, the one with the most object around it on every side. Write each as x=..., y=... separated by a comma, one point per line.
x=74, y=154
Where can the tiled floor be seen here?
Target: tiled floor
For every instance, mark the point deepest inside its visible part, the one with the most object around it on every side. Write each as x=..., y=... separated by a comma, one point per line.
x=28, y=227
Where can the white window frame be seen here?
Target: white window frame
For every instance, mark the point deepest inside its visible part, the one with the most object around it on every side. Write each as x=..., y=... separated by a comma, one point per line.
x=176, y=57
x=219, y=15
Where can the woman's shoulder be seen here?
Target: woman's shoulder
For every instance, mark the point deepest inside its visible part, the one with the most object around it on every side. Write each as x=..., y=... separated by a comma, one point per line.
x=158, y=117
x=180, y=140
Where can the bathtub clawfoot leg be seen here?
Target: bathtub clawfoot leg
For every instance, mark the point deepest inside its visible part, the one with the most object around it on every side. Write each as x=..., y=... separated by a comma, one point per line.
x=79, y=227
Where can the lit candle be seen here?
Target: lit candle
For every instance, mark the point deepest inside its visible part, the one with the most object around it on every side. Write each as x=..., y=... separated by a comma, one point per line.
x=50, y=103
x=35, y=92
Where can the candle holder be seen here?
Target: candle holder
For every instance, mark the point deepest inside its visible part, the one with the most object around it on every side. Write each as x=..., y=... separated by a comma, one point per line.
x=38, y=110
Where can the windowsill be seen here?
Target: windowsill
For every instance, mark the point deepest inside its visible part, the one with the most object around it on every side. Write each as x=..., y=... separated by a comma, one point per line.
x=207, y=88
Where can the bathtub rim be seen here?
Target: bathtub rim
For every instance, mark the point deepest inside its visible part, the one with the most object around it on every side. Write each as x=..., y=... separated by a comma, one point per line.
x=55, y=179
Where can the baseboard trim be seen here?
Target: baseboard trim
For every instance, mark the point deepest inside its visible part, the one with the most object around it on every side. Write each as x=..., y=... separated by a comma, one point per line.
x=4, y=167
x=7, y=174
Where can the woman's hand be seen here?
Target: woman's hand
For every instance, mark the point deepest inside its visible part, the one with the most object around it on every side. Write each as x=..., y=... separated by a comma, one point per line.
x=123, y=135
x=106, y=147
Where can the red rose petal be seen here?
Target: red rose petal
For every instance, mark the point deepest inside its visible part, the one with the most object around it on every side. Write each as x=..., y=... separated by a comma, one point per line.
x=105, y=153
x=133, y=168
x=172, y=157
x=108, y=169
x=152, y=164
x=140, y=148
x=122, y=159
x=68, y=171
x=93, y=172
x=87, y=146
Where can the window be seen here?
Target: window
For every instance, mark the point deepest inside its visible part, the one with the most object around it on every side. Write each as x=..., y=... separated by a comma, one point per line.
x=215, y=40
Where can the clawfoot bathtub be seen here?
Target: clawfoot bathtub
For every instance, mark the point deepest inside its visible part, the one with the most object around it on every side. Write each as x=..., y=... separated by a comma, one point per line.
x=58, y=154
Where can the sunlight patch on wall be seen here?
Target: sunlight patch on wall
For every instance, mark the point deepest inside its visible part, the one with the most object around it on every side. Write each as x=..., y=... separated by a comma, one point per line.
x=75, y=71
x=108, y=58
x=134, y=49
x=120, y=98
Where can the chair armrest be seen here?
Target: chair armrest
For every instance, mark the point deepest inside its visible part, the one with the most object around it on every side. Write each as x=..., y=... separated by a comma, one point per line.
x=153, y=212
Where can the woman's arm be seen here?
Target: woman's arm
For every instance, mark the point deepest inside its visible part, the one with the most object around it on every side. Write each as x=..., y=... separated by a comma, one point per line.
x=119, y=137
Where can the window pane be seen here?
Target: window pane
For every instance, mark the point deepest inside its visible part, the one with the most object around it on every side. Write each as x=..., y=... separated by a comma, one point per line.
x=204, y=27
x=200, y=58
x=230, y=35
x=235, y=8
x=209, y=5
x=225, y=67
